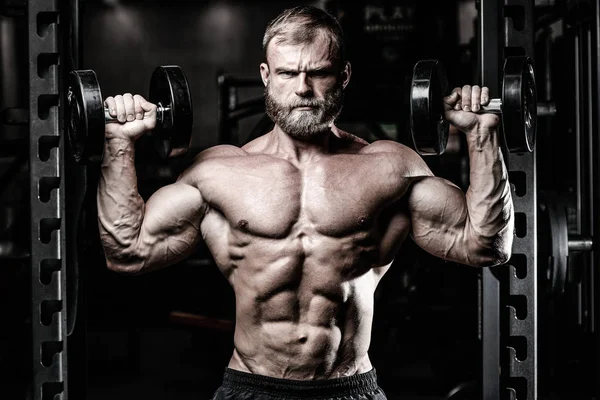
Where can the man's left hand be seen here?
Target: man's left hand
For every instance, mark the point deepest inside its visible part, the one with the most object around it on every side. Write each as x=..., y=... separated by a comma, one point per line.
x=462, y=106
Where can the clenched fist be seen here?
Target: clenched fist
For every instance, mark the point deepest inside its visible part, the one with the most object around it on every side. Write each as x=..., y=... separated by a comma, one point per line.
x=134, y=113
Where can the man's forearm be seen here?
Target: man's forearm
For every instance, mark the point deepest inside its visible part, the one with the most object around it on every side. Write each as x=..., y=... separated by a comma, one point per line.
x=120, y=207
x=489, y=199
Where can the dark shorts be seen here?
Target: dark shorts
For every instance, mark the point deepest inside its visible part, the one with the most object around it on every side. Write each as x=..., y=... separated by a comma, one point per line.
x=239, y=385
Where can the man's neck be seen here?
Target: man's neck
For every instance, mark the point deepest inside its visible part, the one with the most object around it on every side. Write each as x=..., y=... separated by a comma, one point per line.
x=300, y=149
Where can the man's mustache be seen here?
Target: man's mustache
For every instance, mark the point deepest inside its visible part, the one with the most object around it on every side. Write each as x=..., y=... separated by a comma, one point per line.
x=313, y=103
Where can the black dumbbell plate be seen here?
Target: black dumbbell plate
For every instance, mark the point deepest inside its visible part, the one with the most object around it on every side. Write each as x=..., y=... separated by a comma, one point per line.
x=169, y=87
x=519, y=104
x=428, y=127
x=85, y=116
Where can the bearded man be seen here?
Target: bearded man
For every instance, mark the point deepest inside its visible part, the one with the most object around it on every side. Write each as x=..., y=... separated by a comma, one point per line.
x=305, y=220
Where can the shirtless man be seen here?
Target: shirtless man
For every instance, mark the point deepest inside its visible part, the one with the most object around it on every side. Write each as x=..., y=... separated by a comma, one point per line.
x=304, y=221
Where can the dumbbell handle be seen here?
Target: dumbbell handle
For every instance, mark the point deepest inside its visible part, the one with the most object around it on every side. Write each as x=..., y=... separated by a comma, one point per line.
x=160, y=112
x=493, y=107
x=547, y=109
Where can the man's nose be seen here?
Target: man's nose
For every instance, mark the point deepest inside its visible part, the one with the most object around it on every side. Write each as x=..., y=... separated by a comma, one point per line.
x=303, y=87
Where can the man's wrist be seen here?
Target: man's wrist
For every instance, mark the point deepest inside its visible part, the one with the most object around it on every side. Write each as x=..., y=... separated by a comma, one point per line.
x=481, y=134
x=118, y=139
x=118, y=147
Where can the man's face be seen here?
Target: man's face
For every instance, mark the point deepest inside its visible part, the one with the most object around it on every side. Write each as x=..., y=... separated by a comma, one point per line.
x=303, y=87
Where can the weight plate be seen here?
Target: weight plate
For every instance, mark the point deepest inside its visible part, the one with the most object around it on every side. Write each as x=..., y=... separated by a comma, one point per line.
x=553, y=244
x=519, y=104
x=428, y=87
x=169, y=88
x=85, y=116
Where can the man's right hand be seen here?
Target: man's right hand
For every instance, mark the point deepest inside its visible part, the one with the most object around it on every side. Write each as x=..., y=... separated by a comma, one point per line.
x=135, y=114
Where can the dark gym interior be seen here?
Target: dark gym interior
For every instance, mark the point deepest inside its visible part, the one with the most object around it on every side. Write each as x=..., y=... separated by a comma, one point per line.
x=526, y=330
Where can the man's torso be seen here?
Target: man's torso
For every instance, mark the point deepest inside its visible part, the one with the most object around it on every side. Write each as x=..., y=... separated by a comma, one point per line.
x=304, y=246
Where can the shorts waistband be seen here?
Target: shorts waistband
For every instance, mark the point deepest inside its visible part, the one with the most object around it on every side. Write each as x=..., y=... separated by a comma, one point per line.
x=349, y=385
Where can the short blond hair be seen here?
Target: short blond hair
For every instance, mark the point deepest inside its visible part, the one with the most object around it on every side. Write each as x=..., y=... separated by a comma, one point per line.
x=302, y=24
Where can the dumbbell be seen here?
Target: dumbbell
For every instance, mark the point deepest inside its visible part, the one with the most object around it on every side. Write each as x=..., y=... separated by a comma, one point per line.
x=87, y=115
x=517, y=107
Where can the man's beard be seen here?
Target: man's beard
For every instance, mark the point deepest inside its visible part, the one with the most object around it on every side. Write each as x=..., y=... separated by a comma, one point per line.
x=305, y=123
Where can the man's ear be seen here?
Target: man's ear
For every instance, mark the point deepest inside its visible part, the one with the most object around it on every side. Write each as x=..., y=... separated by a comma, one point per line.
x=264, y=73
x=346, y=73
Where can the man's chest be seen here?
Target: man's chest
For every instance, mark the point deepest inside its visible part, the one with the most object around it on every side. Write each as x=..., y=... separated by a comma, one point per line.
x=275, y=199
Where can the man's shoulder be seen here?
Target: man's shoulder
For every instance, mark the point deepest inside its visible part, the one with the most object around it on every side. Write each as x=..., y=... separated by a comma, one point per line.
x=220, y=151
x=401, y=156
x=208, y=160
x=389, y=146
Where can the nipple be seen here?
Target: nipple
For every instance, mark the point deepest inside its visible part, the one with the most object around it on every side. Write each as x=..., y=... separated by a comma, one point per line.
x=243, y=225
x=362, y=220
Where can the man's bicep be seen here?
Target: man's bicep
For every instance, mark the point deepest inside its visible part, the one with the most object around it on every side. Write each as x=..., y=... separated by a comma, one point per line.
x=171, y=227
x=438, y=215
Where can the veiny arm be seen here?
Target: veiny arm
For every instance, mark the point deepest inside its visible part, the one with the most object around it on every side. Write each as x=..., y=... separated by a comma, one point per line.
x=136, y=236
x=473, y=228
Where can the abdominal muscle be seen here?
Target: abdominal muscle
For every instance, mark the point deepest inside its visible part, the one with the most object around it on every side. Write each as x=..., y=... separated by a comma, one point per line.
x=299, y=349
x=302, y=316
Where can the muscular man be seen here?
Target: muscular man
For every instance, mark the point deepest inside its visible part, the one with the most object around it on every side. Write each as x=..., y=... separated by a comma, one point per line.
x=304, y=221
